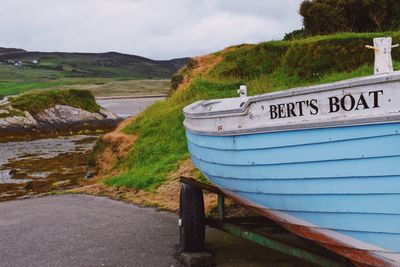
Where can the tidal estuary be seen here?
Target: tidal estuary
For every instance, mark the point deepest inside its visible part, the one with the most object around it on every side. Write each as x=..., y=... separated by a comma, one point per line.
x=40, y=166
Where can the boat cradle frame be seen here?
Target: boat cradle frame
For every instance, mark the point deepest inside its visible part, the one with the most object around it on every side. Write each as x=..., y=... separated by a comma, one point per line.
x=265, y=232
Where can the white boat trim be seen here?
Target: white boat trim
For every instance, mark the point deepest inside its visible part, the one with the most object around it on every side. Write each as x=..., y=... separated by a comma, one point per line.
x=303, y=126
x=234, y=116
x=368, y=80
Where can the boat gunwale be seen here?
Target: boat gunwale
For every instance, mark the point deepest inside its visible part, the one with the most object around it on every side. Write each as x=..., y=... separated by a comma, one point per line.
x=367, y=80
x=326, y=123
x=392, y=118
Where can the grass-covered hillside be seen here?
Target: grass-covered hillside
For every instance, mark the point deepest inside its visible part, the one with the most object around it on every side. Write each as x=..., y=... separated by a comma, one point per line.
x=53, y=113
x=21, y=71
x=36, y=102
x=160, y=145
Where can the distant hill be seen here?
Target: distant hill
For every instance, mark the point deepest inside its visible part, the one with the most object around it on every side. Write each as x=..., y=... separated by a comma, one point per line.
x=105, y=65
x=4, y=50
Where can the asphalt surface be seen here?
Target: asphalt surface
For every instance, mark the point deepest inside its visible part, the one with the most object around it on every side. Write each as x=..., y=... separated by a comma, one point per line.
x=79, y=230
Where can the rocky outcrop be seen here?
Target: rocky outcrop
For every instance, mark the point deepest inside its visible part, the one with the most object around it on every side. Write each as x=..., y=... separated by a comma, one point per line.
x=55, y=121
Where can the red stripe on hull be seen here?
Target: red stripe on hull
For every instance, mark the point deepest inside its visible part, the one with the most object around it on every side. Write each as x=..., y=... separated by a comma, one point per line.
x=360, y=257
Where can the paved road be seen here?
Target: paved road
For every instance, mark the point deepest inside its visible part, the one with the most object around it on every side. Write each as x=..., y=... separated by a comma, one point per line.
x=78, y=230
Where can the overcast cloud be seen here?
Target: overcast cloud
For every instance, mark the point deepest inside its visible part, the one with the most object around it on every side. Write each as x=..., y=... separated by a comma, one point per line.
x=159, y=29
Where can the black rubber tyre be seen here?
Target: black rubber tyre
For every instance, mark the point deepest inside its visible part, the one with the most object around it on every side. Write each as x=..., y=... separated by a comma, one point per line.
x=192, y=219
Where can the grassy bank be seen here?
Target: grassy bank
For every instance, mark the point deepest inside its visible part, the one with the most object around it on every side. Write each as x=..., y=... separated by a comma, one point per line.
x=38, y=101
x=160, y=146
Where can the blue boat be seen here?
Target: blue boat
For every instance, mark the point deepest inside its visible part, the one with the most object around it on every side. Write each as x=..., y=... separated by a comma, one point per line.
x=323, y=161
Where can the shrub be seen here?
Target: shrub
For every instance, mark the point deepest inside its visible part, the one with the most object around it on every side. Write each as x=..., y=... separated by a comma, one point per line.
x=295, y=35
x=251, y=61
x=176, y=80
x=332, y=16
x=343, y=52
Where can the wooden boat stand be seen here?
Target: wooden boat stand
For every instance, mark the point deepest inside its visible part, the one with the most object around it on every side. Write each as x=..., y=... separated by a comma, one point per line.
x=267, y=233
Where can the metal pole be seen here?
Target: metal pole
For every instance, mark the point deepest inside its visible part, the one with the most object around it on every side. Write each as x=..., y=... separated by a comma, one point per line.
x=280, y=246
x=221, y=207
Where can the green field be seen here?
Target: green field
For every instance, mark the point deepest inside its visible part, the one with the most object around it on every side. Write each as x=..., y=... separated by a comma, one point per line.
x=123, y=88
x=98, y=86
x=266, y=67
x=14, y=88
x=104, y=74
x=38, y=101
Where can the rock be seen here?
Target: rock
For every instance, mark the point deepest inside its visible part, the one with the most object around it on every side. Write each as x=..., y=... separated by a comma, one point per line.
x=108, y=115
x=89, y=174
x=58, y=120
x=66, y=114
x=62, y=183
x=4, y=101
x=7, y=195
x=196, y=259
x=28, y=186
x=18, y=121
x=74, y=115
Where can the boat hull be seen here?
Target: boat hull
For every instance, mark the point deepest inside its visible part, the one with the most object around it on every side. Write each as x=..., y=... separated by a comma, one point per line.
x=338, y=186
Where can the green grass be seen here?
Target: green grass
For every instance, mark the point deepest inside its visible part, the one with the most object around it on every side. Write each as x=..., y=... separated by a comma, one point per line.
x=123, y=88
x=13, y=88
x=161, y=143
x=38, y=101
x=72, y=70
x=28, y=74
x=98, y=86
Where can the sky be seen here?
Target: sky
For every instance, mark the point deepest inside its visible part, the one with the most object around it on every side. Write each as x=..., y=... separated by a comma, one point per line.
x=158, y=29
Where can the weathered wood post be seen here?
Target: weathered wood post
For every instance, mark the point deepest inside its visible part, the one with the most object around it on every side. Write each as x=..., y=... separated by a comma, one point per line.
x=383, y=54
x=242, y=91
